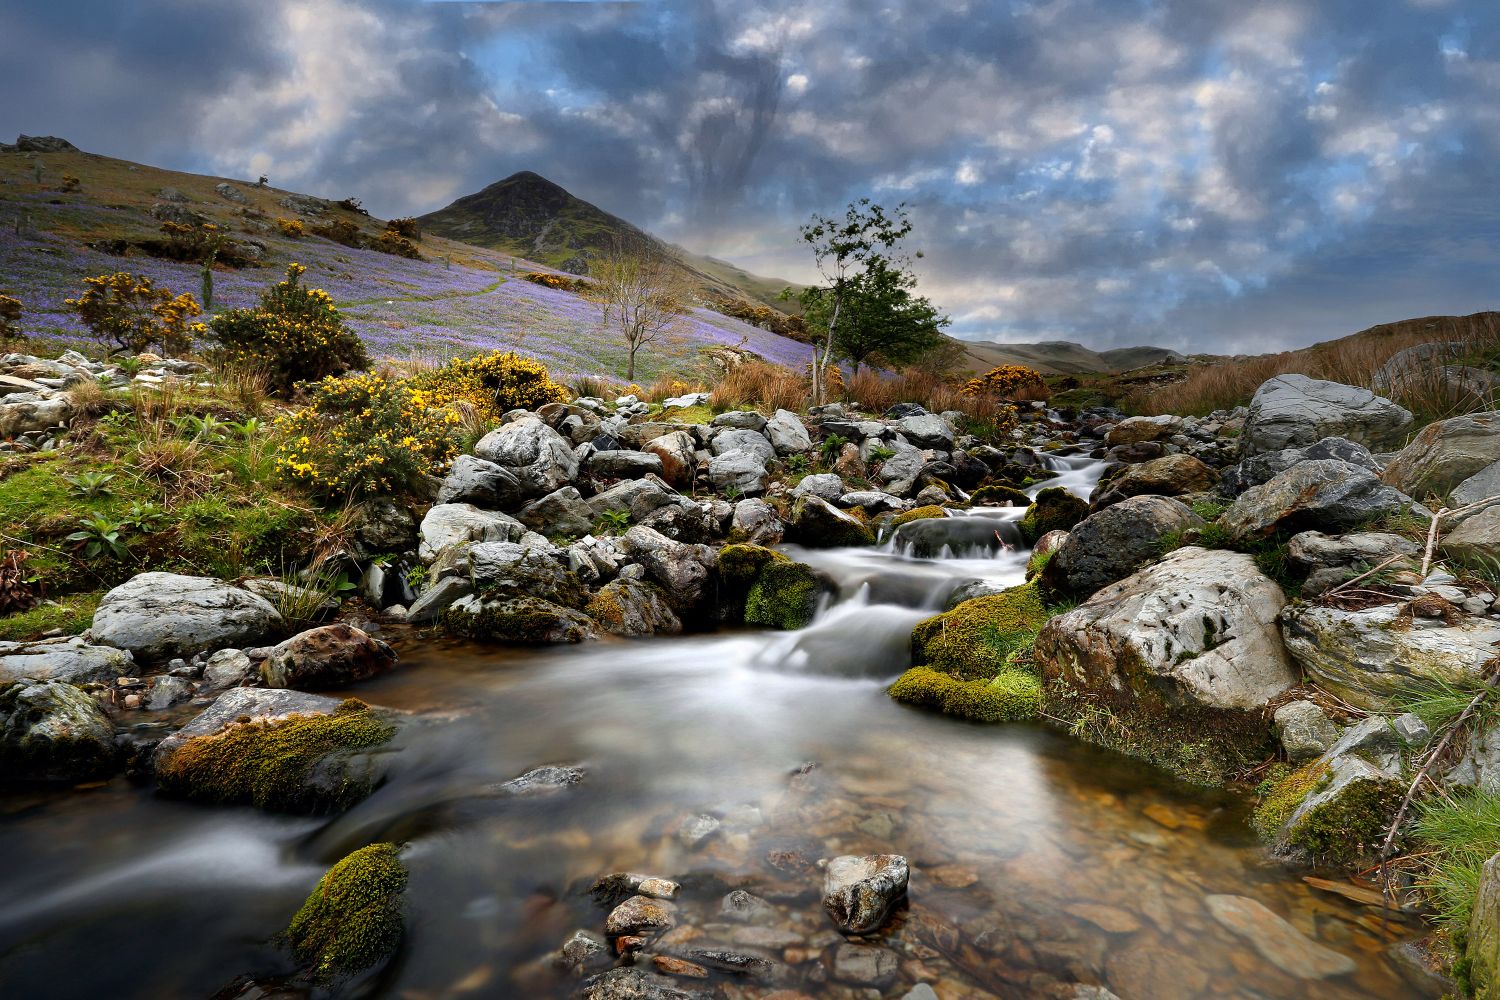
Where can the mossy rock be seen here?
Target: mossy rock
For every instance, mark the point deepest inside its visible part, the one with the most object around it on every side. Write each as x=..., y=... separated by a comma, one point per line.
x=818, y=524
x=1283, y=797
x=1010, y=696
x=298, y=764
x=739, y=565
x=785, y=595
x=525, y=620
x=981, y=636
x=1345, y=817
x=918, y=514
x=1000, y=496
x=353, y=919
x=1054, y=509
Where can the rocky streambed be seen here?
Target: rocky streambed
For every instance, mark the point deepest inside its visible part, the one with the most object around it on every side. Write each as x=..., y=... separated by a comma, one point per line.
x=731, y=764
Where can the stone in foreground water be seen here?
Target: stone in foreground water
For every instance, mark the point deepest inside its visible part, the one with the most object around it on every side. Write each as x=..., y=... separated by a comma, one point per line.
x=858, y=892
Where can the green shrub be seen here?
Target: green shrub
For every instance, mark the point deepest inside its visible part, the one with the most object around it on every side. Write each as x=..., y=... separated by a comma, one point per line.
x=981, y=636
x=295, y=335
x=364, y=435
x=1054, y=509
x=353, y=920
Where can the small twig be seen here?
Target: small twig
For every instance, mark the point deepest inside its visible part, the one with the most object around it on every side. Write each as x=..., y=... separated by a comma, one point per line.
x=1432, y=528
x=1367, y=573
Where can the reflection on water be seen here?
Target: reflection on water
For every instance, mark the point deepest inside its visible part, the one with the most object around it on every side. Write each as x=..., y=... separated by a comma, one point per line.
x=1036, y=860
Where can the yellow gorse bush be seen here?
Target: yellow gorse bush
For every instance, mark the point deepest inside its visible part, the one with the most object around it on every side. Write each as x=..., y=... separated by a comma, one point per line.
x=559, y=281
x=127, y=312
x=292, y=227
x=492, y=384
x=362, y=435
x=1007, y=380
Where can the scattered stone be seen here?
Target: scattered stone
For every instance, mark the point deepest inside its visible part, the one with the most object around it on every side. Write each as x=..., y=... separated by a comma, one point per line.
x=697, y=829
x=1278, y=942
x=332, y=656
x=865, y=964
x=633, y=984
x=640, y=914
x=448, y=525
x=858, y=892
x=68, y=659
x=1305, y=730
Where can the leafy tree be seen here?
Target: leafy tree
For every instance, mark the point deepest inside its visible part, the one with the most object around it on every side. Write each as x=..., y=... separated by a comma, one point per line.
x=865, y=241
x=639, y=294
x=880, y=320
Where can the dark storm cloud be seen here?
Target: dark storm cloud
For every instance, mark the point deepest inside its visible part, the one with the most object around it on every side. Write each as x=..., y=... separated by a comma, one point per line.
x=1165, y=170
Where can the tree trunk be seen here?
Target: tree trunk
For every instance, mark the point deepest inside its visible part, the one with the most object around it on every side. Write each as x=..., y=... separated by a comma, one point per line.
x=630, y=366
x=820, y=365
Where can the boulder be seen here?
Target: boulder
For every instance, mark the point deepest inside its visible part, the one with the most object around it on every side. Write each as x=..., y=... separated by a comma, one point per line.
x=1168, y=476
x=787, y=433
x=624, y=464
x=1367, y=657
x=726, y=441
x=27, y=412
x=740, y=420
x=541, y=459
x=333, y=656
x=1329, y=560
x=1305, y=730
x=1482, y=485
x=1134, y=430
x=381, y=525
x=228, y=668
x=1264, y=467
x=1113, y=543
x=927, y=430
x=633, y=608
x=70, y=660
x=1477, y=537
x=1289, y=411
x=517, y=620
x=1445, y=453
x=819, y=524
x=507, y=569
x=757, y=522
x=785, y=595
x=1340, y=804
x=1054, y=509
x=823, y=485
x=561, y=513
x=678, y=453
x=1197, y=630
x=873, y=501
x=684, y=571
x=740, y=470
x=1482, y=949
x=859, y=892
x=437, y=598
x=899, y=471
x=473, y=480
x=157, y=616
x=1324, y=494
x=638, y=498
x=450, y=524
x=52, y=731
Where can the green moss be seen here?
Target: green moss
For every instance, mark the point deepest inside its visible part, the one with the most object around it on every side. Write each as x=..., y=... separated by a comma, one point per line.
x=1283, y=797
x=353, y=919
x=1000, y=496
x=71, y=614
x=1037, y=562
x=785, y=596
x=1012, y=695
x=981, y=636
x=1054, y=509
x=300, y=764
x=739, y=565
x=918, y=514
x=1347, y=829
x=517, y=620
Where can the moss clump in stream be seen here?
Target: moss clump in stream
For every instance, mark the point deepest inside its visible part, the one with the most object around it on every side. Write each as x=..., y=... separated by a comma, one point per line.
x=785, y=595
x=1284, y=795
x=981, y=636
x=1054, y=509
x=1000, y=496
x=739, y=565
x=352, y=921
x=918, y=514
x=300, y=764
x=1345, y=830
x=1010, y=696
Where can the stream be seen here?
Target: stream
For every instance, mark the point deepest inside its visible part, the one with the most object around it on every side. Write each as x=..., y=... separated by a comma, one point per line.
x=730, y=760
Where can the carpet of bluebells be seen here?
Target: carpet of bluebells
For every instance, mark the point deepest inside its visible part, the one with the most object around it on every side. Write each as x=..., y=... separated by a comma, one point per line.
x=418, y=310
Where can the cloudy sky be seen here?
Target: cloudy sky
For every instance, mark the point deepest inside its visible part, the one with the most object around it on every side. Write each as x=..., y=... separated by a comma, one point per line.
x=1226, y=175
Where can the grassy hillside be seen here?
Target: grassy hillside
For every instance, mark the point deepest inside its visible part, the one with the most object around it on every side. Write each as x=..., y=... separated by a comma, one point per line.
x=1061, y=357
x=458, y=299
x=529, y=215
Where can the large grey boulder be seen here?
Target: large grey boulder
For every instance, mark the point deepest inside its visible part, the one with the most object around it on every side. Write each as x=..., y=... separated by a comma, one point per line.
x=449, y=524
x=562, y=512
x=539, y=457
x=518, y=620
x=1134, y=430
x=1197, y=629
x=1367, y=657
x=859, y=892
x=1289, y=411
x=740, y=470
x=638, y=498
x=732, y=439
x=1262, y=468
x=823, y=485
x=1329, y=560
x=624, y=464
x=1446, y=453
x=1325, y=494
x=927, y=430
x=472, y=480
x=1168, y=476
x=787, y=433
x=1112, y=543
x=25, y=412
x=740, y=420
x=51, y=731
x=512, y=569
x=684, y=571
x=157, y=616
x=70, y=660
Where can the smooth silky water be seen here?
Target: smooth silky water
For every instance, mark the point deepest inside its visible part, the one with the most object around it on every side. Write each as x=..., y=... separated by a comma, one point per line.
x=1036, y=859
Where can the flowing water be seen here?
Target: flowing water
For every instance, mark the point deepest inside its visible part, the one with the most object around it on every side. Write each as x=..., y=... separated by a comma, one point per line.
x=1037, y=861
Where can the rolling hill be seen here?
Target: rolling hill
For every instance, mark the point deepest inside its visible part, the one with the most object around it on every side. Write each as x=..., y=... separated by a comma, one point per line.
x=529, y=215
x=1061, y=357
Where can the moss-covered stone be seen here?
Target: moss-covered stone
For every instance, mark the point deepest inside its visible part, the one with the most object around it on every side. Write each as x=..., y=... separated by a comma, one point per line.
x=52, y=731
x=739, y=565
x=785, y=595
x=1284, y=796
x=982, y=636
x=818, y=524
x=1346, y=828
x=353, y=919
x=918, y=514
x=1000, y=496
x=1054, y=509
x=528, y=620
x=299, y=764
x=1010, y=696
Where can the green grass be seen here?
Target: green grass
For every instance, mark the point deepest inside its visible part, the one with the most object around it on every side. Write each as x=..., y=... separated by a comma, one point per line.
x=1458, y=835
x=72, y=614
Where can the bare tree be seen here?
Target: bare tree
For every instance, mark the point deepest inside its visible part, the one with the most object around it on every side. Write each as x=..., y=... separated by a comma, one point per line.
x=640, y=294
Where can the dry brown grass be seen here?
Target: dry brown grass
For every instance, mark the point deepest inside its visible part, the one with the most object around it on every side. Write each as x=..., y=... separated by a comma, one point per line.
x=762, y=385
x=1352, y=360
x=669, y=386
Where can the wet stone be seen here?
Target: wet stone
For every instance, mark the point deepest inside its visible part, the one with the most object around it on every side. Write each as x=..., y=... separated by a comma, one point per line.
x=746, y=907
x=1277, y=941
x=639, y=914
x=582, y=950
x=658, y=888
x=543, y=781
x=678, y=967
x=865, y=964
x=858, y=892
x=697, y=829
